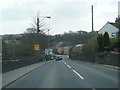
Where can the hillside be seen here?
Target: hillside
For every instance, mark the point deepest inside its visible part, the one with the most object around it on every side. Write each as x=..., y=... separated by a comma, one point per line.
x=71, y=38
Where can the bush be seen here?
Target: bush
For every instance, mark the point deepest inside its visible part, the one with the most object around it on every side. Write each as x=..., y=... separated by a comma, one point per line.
x=9, y=65
x=102, y=54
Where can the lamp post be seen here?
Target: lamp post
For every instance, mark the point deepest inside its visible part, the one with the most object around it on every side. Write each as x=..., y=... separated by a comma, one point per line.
x=38, y=21
x=38, y=29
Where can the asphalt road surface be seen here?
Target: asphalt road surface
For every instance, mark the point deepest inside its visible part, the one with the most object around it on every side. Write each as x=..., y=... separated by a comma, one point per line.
x=68, y=74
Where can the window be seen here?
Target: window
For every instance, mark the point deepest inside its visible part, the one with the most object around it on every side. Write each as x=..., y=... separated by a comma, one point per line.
x=113, y=34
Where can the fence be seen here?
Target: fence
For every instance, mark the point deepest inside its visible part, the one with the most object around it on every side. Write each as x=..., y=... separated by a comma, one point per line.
x=110, y=59
x=8, y=65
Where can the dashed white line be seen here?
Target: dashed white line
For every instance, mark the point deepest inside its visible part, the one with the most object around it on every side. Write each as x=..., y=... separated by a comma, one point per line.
x=78, y=74
x=64, y=62
x=73, y=70
x=68, y=66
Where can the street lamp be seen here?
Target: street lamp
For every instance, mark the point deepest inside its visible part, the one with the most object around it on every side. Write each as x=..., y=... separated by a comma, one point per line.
x=38, y=22
x=38, y=27
x=48, y=17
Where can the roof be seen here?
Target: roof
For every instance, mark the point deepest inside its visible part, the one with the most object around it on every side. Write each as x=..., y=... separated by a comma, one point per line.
x=111, y=23
x=114, y=24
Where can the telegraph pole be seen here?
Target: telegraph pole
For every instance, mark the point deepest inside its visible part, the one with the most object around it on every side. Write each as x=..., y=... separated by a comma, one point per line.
x=38, y=23
x=118, y=21
x=92, y=19
x=93, y=35
x=48, y=43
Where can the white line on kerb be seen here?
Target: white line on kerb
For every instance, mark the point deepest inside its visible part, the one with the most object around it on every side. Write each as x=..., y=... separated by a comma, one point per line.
x=68, y=66
x=78, y=74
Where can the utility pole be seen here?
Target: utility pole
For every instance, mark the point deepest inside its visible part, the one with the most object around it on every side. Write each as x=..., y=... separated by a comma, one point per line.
x=48, y=43
x=118, y=15
x=38, y=31
x=37, y=42
x=93, y=49
x=92, y=19
x=38, y=25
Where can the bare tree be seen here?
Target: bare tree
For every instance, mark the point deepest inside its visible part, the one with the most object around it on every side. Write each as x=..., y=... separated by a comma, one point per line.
x=31, y=30
x=38, y=24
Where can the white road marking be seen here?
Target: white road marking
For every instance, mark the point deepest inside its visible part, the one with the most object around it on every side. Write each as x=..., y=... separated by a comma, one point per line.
x=64, y=62
x=73, y=70
x=78, y=74
x=68, y=66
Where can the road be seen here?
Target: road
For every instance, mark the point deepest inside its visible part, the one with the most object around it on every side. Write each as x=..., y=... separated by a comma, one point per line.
x=68, y=74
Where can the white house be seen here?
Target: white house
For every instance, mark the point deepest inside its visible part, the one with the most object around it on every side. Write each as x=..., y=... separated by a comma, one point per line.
x=79, y=45
x=111, y=28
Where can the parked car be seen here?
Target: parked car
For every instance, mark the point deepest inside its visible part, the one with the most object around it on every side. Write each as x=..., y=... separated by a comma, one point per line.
x=58, y=57
x=50, y=57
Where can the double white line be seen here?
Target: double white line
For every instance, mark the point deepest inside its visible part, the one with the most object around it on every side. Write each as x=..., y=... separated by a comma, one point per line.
x=73, y=70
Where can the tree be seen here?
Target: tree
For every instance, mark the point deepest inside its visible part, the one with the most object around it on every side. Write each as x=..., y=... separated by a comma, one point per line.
x=118, y=41
x=118, y=36
x=71, y=51
x=38, y=24
x=106, y=39
x=117, y=23
x=100, y=41
x=31, y=30
x=55, y=51
x=33, y=35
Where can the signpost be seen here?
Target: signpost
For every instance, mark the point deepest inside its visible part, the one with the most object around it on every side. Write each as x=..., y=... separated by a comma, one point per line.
x=36, y=47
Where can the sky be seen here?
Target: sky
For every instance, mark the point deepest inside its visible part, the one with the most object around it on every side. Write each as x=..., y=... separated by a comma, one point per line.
x=66, y=15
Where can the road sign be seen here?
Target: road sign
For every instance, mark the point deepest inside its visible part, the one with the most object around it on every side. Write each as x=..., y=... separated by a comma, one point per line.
x=36, y=47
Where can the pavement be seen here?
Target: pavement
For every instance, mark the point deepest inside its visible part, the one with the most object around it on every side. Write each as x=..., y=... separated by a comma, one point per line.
x=112, y=67
x=103, y=65
x=65, y=73
x=13, y=75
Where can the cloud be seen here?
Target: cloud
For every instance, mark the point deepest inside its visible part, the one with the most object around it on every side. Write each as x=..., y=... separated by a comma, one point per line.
x=13, y=13
x=13, y=27
x=65, y=14
x=71, y=10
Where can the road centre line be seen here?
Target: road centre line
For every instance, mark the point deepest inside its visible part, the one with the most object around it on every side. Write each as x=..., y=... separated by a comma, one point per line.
x=78, y=74
x=64, y=62
x=74, y=71
x=68, y=66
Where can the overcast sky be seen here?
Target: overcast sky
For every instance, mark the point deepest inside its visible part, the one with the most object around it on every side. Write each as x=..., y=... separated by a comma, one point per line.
x=66, y=15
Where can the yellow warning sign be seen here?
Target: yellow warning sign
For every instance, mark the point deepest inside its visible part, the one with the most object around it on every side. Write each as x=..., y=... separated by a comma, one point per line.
x=36, y=47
